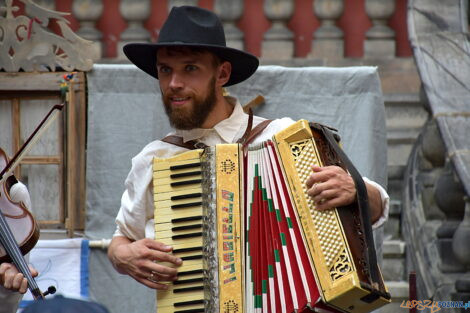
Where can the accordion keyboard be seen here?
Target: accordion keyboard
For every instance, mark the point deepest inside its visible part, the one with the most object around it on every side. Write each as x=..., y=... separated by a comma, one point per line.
x=178, y=223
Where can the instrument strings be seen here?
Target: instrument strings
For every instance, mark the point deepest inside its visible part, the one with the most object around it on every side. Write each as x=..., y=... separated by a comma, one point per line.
x=9, y=243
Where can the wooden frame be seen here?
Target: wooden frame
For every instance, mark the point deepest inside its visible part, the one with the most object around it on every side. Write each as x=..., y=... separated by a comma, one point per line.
x=17, y=86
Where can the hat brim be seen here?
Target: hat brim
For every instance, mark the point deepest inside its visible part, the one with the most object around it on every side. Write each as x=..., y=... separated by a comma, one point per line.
x=144, y=56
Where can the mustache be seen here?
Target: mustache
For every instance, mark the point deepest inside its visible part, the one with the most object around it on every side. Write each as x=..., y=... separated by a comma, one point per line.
x=166, y=97
x=176, y=95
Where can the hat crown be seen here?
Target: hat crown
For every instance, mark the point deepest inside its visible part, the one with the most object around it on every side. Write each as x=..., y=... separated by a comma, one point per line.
x=193, y=25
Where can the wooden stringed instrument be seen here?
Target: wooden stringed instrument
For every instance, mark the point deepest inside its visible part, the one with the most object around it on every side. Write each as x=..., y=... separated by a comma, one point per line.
x=19, y=231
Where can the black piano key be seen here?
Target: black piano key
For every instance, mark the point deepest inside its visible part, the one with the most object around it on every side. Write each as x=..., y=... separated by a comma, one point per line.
x=182, y=250
x=184, y=303
x=193, y=272
x=183, y=236
x=186, y=174
x=184, y=166
x=188, y=196
x=190, y=311
x=186, y=205
x=186, y=182
x=191, y=257
x=186, y=219
x=188, y=281
x=195, y=288
x=187, y=227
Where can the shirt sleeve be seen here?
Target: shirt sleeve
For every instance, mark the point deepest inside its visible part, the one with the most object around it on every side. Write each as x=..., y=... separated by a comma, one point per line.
x=385, y=203
x=136, y=202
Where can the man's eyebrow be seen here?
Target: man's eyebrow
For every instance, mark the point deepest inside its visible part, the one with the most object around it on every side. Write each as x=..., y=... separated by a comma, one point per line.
x=191, y=61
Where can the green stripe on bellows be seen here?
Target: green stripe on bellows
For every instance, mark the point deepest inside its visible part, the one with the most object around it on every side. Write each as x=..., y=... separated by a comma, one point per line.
x=270, y=271
x=278, y=216
x=256, y=170
x=270, y=205
x=277, y=257
x=283, y=239
x=265, y=194
x=264, y=286
x=289, y=222
x=258, y=302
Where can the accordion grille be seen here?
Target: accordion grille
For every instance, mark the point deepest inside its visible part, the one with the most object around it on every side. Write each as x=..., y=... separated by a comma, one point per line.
x=326, y=224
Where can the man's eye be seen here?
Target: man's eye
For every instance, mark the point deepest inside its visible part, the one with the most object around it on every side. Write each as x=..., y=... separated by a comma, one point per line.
x=190, y=68
x=163, y=69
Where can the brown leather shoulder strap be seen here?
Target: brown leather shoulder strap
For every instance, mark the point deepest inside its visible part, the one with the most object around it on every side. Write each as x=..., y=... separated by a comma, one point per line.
x=246, y=139
x=178, y=141
x=256, y=131
x=248, y=127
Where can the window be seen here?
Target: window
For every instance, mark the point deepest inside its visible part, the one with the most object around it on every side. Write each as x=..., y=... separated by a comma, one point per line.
x=54, y=168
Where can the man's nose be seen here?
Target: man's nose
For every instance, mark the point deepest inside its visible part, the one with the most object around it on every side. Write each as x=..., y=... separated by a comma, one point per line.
x=176, y=81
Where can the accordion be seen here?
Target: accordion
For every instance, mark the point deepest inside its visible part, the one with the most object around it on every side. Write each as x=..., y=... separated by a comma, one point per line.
x=251, y=239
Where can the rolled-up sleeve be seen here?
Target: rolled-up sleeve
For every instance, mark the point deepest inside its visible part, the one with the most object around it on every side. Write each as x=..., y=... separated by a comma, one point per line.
x=385, y=203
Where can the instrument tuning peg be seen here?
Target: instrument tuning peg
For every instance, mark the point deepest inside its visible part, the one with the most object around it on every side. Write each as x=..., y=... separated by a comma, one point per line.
x=50, y=291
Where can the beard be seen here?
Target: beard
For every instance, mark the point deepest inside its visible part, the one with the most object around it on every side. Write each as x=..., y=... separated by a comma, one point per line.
x=194, y=116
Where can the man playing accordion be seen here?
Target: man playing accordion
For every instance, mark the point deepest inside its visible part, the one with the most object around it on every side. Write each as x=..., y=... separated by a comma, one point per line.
x=192, y=64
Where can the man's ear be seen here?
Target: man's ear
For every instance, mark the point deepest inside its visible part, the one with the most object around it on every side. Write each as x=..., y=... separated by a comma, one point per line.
x=225, y=70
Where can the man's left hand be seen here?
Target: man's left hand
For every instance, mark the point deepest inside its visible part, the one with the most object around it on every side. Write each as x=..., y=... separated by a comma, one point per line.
x=12, y=279
x=330, y=187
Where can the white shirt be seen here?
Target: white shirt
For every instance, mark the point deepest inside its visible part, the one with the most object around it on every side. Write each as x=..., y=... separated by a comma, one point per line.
x=135, y=217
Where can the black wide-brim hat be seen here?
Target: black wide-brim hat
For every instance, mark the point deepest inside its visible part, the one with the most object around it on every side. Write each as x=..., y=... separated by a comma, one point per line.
x=189, y=26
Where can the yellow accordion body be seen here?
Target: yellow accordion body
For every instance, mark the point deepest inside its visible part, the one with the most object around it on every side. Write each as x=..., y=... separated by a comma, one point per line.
x=199, y=211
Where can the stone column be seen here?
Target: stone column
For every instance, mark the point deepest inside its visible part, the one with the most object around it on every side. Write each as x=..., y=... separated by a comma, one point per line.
x=380, y=39
x=278, y=40
x=178, y=3
x=135, y=12
x=431, y=165
x=449, y=195
x=328, y=38
x=229, y=12
x=87, y=12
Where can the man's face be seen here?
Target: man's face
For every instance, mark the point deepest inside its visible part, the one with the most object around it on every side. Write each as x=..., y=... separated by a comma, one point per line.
x=187, y=83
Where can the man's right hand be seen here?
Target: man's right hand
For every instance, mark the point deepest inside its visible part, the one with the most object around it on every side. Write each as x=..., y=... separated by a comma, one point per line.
x=12, y=279
x=138, y=260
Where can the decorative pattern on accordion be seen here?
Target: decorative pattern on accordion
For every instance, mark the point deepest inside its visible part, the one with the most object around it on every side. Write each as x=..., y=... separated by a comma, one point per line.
x=326, y=224
x=221, y=241
x=209, y=224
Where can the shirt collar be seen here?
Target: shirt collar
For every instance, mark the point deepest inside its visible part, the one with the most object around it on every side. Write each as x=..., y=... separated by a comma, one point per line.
x=227, y=129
